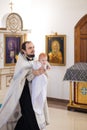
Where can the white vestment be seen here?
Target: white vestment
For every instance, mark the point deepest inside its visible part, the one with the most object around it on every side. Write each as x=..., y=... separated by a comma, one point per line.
x=23, y=70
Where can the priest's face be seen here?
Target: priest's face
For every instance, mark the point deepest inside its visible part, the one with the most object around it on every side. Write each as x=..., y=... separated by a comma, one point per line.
x=30, y=51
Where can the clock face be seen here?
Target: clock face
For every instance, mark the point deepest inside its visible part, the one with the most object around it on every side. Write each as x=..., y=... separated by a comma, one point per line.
x=14, y=22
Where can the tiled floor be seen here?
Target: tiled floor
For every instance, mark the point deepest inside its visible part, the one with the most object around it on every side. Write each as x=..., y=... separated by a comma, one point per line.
x=62, y=119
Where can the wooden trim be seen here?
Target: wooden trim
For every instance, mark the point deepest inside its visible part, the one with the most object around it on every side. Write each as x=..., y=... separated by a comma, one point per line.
x=57, y=100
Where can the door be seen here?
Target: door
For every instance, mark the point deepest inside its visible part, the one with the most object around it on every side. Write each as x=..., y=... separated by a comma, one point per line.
x=80, y=44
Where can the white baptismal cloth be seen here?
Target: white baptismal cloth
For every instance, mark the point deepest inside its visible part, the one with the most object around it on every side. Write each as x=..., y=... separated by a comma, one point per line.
x=39, y=90
x=39, y=97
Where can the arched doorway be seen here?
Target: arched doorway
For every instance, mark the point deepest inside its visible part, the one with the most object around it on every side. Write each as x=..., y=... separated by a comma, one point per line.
x=80, y=44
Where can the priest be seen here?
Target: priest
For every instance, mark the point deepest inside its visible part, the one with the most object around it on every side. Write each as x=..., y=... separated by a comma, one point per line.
x=19, y=91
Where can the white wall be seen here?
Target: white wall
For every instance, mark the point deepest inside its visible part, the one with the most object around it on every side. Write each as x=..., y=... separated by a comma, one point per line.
x=46, y=17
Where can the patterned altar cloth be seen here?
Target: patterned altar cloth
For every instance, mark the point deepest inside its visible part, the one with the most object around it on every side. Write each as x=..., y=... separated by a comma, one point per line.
x=77, y=72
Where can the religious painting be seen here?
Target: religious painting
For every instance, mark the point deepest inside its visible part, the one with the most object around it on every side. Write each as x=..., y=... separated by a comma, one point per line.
x=12, y=48
x=56, y=49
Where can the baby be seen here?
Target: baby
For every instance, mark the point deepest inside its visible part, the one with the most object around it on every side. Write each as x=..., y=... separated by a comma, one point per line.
x=39, y=91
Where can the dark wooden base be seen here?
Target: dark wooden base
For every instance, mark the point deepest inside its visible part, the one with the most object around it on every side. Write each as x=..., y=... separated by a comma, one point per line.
x=75, y=107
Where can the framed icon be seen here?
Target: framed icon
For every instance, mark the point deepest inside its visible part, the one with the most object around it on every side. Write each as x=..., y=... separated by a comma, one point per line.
x=12, y=47
x=56, y=49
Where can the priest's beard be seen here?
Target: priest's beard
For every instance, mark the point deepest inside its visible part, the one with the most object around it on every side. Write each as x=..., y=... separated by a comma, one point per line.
x=30, y=57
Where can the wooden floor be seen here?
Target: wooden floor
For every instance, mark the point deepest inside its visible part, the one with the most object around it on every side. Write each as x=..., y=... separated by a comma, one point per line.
x=57, y=103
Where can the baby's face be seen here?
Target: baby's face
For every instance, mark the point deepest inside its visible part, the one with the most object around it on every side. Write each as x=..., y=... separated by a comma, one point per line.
x=43, y=60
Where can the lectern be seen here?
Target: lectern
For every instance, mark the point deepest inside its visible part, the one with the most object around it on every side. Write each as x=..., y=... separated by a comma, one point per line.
x=77, y=76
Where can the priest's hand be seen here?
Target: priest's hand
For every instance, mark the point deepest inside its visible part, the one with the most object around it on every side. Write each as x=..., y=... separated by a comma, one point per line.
x=39, y=71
